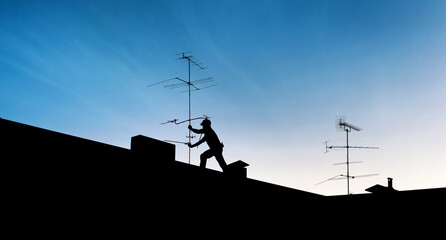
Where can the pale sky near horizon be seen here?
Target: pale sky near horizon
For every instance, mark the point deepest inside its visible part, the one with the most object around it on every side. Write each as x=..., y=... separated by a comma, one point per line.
x=284, y=69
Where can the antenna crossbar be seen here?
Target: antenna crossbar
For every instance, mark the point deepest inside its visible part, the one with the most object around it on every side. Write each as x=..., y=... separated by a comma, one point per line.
x=172, y=141
x=332, y=147
x=187, y=120
x=192, y=83
x=346, y=163
x=201, y=88
x=343, y=177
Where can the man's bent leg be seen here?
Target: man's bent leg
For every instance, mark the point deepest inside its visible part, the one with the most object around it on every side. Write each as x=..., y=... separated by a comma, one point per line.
x=204, y=157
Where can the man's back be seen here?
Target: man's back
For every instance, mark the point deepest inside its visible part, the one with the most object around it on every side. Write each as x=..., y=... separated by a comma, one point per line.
x=211, y=138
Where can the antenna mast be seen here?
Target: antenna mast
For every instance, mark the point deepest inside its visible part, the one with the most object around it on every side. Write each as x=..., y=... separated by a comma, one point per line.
x=189, y=60
x=192, y=86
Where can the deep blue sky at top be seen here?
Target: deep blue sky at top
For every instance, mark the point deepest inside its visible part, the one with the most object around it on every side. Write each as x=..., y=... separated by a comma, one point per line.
x=284, y=70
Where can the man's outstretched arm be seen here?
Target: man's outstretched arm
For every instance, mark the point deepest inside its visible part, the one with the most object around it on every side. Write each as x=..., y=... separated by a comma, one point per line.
x=197, y=143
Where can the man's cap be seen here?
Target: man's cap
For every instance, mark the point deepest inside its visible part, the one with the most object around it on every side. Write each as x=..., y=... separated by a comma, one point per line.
x=206, y=122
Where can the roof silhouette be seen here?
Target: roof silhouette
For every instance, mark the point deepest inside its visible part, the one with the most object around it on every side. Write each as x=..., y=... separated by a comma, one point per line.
x=58, y=182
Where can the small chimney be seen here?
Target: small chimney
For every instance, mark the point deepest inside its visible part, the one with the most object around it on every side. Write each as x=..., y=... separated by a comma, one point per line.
x=237, y=169
x=389, y=183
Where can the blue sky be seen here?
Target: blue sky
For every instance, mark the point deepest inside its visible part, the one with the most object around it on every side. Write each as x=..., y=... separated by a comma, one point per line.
x=284, y=69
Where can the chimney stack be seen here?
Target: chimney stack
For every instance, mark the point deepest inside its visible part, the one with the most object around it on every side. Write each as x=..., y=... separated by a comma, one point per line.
x=389, y=183
x=237, y=169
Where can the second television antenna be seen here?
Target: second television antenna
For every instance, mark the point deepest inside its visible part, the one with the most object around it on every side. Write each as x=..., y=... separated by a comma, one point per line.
x=342, y=125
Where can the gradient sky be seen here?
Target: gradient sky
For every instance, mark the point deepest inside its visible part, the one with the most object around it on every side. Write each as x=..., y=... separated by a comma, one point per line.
x=284, y=69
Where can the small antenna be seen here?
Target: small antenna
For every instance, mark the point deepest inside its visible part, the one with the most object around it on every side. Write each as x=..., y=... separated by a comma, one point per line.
x=170, y=121
x=341, y=124
x=343, y=177
x=187, y=120
x=190, y=59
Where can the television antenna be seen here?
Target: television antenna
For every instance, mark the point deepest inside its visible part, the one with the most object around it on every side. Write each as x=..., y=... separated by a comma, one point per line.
x=342, y=125
x=191, y=85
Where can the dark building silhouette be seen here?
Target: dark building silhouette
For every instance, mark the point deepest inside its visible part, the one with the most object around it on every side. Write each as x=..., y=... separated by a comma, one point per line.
x=61, y=185
x=379, y=189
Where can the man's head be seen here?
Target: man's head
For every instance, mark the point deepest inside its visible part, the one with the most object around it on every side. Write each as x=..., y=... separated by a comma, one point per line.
x=206, y=123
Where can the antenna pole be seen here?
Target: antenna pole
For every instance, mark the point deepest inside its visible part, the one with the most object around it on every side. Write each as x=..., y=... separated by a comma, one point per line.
x=189, y=83
x=189, y=105
x=348, y=168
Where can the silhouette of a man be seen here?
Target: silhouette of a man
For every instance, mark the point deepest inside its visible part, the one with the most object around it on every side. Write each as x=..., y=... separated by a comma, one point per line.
x=215, y=146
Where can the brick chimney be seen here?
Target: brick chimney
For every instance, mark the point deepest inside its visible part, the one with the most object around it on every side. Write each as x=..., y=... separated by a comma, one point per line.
x=237, y=169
